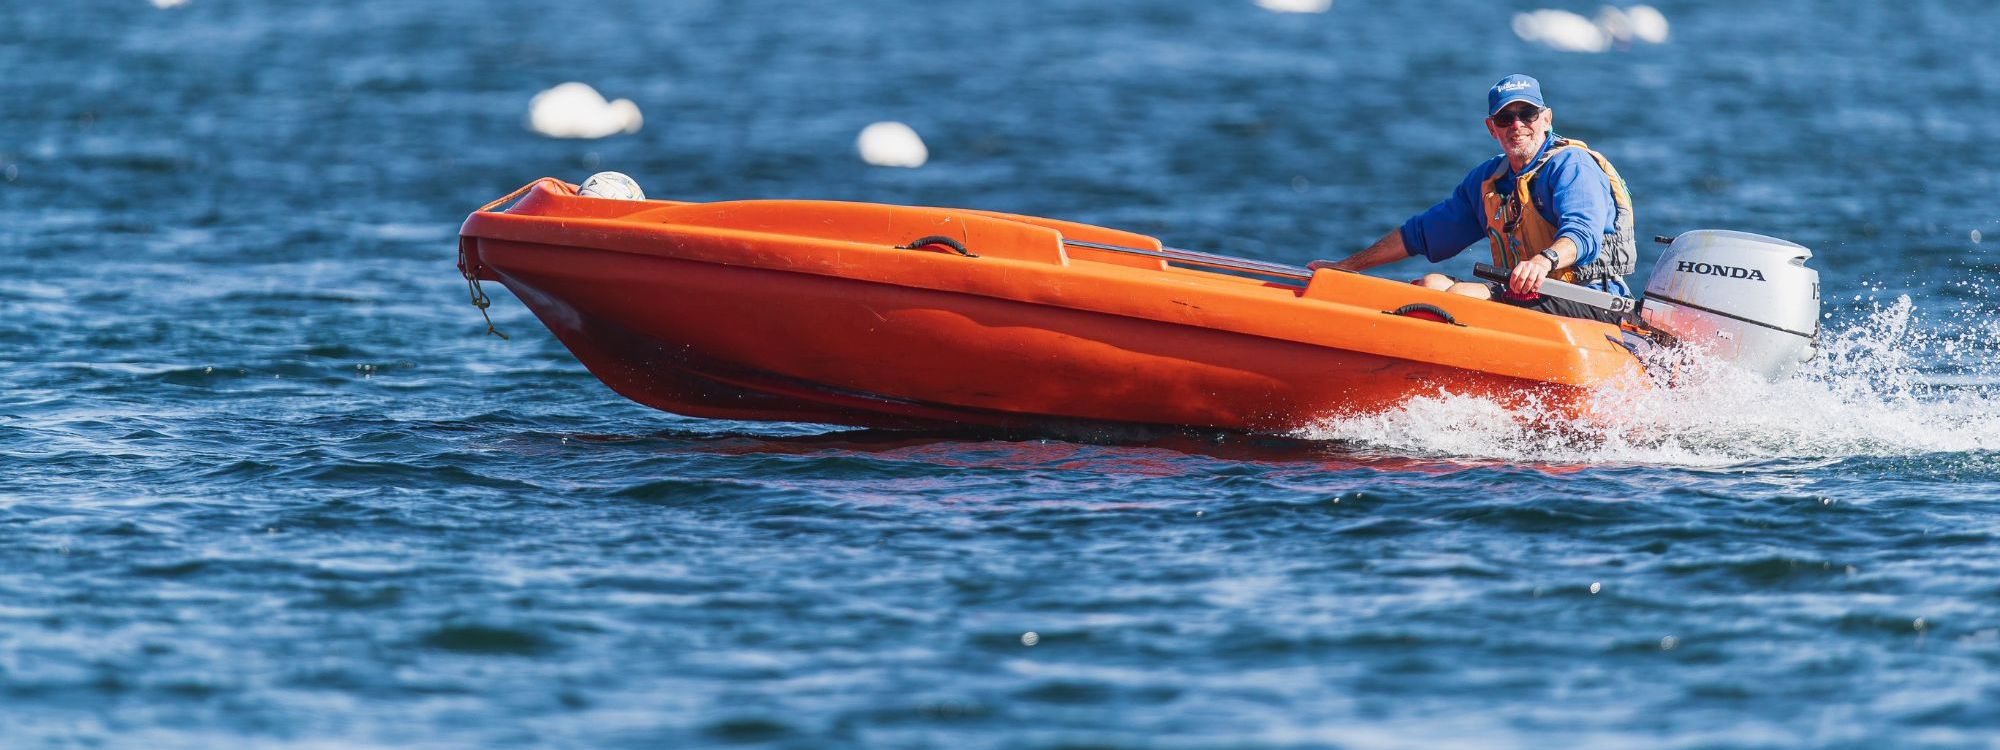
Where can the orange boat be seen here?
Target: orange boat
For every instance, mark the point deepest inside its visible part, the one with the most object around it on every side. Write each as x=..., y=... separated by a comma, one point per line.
x=903, y=317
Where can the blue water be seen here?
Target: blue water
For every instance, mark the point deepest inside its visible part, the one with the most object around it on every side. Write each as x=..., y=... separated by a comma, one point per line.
x=264, y=481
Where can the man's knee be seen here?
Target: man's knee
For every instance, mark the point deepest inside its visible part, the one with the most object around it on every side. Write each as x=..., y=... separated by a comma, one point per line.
x=1437, y=281
x=1471, y=289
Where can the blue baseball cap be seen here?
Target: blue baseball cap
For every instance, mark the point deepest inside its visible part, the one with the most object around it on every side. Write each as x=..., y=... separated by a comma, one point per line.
x=1514, y=88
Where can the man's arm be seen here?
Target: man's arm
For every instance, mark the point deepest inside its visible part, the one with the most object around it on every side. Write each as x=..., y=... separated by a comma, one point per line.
x=1579, y=196
x=1440, y=232
x=1389, y=249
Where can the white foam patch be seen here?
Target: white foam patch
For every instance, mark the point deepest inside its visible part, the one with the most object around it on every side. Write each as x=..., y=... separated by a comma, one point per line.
x=1613, y=26
x=1295, y=6
x=891, y=144
x=1884, y=386
x=1649, y=25
x=575, y=110
x=1561, y=30
x=1615, y=23
x=169, y=3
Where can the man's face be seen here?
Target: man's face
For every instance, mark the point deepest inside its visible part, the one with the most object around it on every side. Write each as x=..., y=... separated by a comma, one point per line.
x=1520, y=128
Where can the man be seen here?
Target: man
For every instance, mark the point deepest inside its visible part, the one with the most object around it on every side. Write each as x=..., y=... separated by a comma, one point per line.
x=1550, y=207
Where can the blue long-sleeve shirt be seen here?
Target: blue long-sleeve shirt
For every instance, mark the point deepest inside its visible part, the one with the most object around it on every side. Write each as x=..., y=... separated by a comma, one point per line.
x=1572, y=193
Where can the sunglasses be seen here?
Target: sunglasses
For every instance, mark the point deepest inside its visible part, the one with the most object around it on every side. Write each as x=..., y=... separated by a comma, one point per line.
x=1507, y=117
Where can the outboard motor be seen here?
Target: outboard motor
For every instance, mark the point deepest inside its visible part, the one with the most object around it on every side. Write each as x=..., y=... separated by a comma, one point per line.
x=1744, y=297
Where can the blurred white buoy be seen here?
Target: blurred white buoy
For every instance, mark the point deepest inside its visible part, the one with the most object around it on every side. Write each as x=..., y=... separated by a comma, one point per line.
x=575, y=110
x=613, y=185
x=1560, y=30
x=1295, y=6
x=1648, y=24
x=891, y=144
x=169, y=3
x=1615, y=24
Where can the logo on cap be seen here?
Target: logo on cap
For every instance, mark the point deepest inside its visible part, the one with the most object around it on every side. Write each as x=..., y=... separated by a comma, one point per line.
x=1514, y=86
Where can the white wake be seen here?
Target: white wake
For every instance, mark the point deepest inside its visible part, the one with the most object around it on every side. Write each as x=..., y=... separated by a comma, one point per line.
x=1890, y=384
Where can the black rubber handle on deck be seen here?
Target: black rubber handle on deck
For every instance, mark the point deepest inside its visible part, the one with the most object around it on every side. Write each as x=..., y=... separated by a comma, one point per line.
x=938, y=239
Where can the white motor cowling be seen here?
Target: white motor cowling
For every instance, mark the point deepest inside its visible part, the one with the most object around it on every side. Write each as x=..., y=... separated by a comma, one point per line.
x=1745, y=297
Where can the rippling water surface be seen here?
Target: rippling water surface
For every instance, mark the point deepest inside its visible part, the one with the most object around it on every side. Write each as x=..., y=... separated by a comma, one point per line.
x=265, y=483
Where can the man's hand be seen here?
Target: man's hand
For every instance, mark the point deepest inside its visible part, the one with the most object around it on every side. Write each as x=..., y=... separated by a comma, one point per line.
x=1528, y=275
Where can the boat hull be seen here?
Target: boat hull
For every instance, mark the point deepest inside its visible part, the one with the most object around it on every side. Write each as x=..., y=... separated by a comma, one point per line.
x=761, y=323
